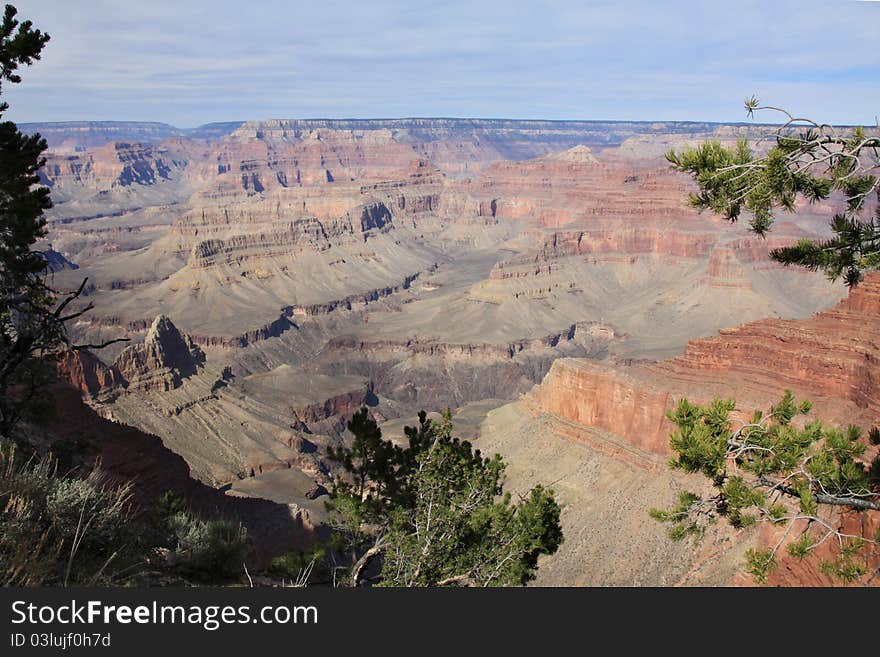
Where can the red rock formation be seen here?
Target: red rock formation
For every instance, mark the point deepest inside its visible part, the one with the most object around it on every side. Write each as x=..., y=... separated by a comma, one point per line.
x=573, y=186
x=831, y=358
x=110, y=166
x=164, y=358
x=595, y=395
x=87, y=373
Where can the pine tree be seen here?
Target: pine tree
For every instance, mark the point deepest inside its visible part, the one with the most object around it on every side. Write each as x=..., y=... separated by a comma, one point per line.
x=435, y=513
x=25, y=301
x=769, y=469
x=807, y=160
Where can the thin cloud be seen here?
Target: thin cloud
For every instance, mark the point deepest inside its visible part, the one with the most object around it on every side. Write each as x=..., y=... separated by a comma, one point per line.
x=187, y=63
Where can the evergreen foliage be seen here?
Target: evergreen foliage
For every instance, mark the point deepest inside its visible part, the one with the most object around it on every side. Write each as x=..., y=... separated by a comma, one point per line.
x=775, y=469
x=210, y=550
x=205, y=549
x=302, y=568
x=25, y=301
x=807, y=160
x=82, y=529
x=435, y=513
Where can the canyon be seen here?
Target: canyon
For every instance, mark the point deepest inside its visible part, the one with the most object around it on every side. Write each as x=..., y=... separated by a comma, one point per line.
x=546, y=281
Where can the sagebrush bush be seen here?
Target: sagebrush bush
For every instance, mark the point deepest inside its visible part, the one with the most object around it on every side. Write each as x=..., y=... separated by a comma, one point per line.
x=66, y=530
x=206, y=549
x=61, y=530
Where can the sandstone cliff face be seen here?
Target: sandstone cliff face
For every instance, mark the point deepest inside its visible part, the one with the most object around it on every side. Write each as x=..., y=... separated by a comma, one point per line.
x=116, y=165
x=85, y=372
x=595, y=395
x=264, y=156
x=831, y=358
x=162, y=361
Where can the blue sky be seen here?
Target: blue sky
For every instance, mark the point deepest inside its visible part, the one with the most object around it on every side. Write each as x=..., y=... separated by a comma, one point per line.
x=188, y=62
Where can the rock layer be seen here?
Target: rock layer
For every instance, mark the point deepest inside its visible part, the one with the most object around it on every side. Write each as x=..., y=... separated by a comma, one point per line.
x=112, y=166
x=162, y=361
x=831, y=358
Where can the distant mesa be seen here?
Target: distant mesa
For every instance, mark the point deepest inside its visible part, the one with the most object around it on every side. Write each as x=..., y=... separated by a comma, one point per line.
x=508, y=138
x=80, y=135
x=577, y=155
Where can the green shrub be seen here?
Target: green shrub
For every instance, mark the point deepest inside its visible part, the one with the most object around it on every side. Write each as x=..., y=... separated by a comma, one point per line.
x=61, y=530
x=308, y=566
x=170, y=504
x=68, y=530
x=206, y=549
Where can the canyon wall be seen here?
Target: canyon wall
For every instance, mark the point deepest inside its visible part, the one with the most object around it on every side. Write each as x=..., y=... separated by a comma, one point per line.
x=831, y=359
x=118, y=164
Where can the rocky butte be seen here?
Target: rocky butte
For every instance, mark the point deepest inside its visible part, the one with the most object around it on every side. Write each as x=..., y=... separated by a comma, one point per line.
x=544, y=280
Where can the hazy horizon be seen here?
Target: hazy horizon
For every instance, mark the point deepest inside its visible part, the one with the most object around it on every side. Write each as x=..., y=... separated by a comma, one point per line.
x=187, y=64
x=365, y=119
